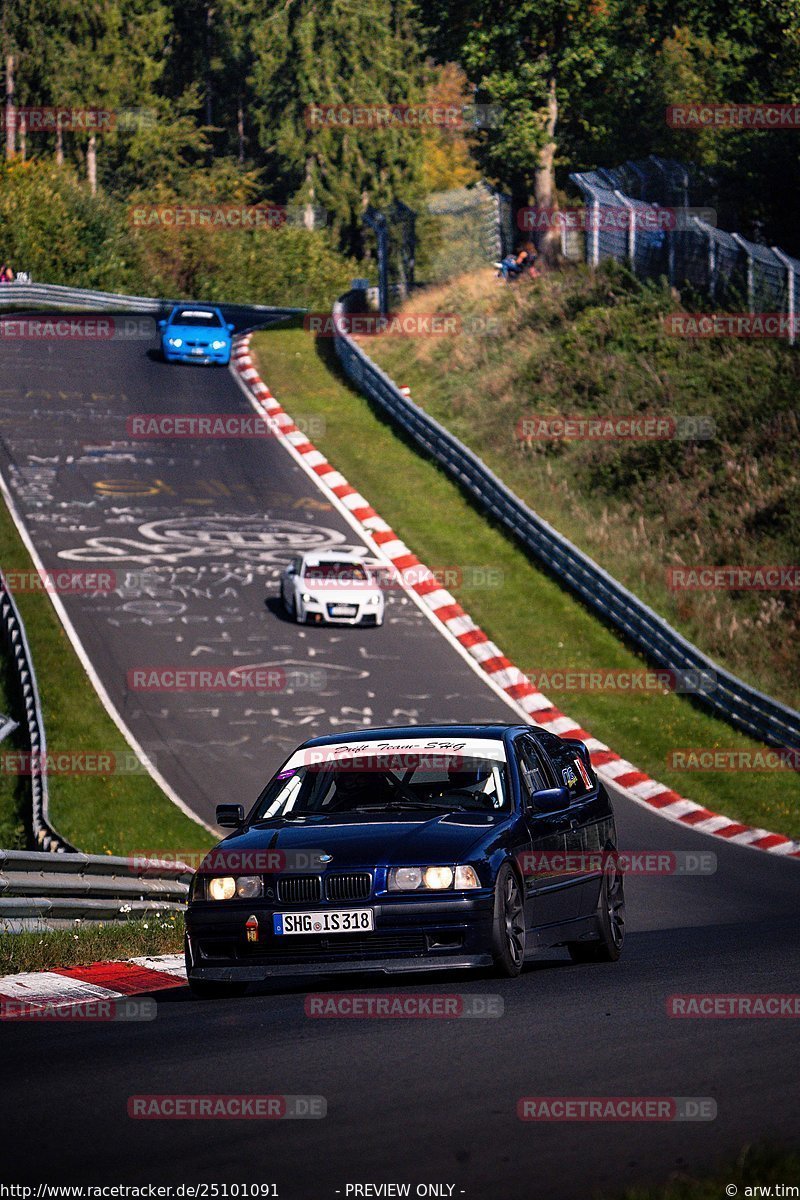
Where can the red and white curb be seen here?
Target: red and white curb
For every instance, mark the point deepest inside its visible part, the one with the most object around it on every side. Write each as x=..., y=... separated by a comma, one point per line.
x=67, y=987
x=500, y=671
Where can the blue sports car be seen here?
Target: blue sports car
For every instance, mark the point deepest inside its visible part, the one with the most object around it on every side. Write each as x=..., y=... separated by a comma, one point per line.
x=196, y=334
x=405, y=849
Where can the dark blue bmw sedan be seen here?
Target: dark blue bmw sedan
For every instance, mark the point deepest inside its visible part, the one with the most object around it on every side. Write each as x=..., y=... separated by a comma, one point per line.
x=407, y=849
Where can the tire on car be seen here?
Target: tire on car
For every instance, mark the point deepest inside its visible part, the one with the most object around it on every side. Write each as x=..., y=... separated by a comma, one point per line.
x=508, y=926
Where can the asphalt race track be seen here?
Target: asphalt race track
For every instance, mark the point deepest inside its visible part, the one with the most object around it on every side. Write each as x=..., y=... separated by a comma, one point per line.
x=417, y=1101
x=196, y=534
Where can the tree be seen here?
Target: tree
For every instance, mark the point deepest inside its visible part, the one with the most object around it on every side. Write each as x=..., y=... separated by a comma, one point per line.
x=345, y=52
x=536, y=61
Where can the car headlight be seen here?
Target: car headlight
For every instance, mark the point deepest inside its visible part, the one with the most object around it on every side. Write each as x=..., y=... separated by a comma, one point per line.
x=218, y=345
x=432, y=879
x=225, y=887
x=176, y=342
x=405, y=879
x=374, y=600
x=305, y=597
x=438, y=878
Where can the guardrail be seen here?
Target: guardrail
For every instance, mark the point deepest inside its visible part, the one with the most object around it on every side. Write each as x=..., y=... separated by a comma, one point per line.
x=63, y=887
x=12, y=631
x=731, y=698
x=54, y=295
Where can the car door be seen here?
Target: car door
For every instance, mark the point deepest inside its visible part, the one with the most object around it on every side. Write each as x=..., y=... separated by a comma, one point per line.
x=591, y=822
x=549, y=885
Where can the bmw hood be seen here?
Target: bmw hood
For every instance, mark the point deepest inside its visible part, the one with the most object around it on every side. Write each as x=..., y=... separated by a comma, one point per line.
x=402, y=838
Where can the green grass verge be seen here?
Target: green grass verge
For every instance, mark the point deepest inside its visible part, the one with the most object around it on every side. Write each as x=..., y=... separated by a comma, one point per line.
x=116, y=814
x=758, y=1167
x=159, y=933
x=537, y=624
x=578, y=343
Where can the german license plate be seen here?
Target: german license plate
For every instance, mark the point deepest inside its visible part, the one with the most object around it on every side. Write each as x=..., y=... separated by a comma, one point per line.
x=343, y=610
x=346, y=920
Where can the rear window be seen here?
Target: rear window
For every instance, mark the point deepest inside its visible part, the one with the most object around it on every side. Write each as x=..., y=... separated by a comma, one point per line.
x=197, y=316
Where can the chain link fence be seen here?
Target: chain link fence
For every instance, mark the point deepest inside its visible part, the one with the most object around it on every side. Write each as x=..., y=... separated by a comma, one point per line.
x=458, y=230
x=641, y=214
x=464, y=229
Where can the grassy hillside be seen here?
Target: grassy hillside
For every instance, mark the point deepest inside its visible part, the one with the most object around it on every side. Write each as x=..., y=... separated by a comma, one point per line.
x=577, y=344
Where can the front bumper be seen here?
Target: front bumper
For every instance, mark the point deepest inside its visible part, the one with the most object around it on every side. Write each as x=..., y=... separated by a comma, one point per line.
x=419, y=934
x=189, y=355
x=320, y=613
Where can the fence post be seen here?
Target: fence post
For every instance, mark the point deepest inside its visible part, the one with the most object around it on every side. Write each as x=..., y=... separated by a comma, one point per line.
x=594, y=256
x=751, y=279
x=631, y=227
x=377, y=222
x=790, y=290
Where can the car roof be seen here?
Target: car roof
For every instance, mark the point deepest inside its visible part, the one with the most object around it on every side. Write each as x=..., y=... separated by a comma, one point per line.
x=372, y=734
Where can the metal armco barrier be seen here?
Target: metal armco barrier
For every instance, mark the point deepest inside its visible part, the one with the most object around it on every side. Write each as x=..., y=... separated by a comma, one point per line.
x=49, y=887
x=732, y=699
x=16, y=644
x=52, y=295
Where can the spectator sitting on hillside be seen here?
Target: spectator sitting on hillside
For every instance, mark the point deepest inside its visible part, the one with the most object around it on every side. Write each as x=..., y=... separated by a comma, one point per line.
x=6, y=274
x=513, y=265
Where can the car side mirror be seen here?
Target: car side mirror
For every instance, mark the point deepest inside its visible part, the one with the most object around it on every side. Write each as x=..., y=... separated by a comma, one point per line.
x=162, y=325
x=230, y=816
x=231, y=327
x=551, y=799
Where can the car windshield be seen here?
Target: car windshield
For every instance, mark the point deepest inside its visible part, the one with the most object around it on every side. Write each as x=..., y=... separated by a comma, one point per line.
x=373, y=784
x=196, y=316
x=336, y=572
